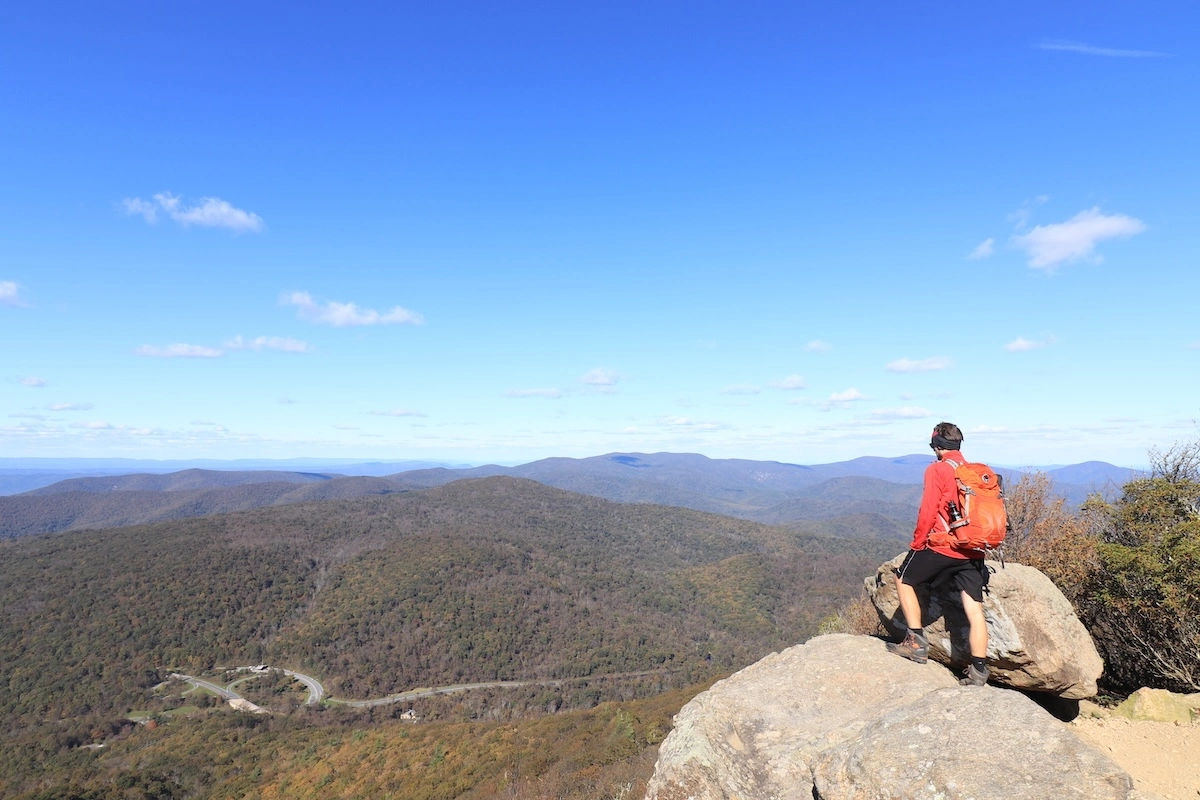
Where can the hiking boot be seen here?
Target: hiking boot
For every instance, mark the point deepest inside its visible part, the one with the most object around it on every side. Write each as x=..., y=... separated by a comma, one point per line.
x=975, y=676
x=914, y=648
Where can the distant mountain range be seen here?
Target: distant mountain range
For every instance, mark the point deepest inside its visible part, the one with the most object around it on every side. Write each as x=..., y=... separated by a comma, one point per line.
x=868, y=496
x=25, y=474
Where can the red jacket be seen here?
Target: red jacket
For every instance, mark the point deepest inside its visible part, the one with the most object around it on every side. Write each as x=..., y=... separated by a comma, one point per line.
x=940, y=489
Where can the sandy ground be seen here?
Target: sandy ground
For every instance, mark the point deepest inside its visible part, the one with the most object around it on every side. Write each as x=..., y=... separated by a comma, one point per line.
x=1162, y=757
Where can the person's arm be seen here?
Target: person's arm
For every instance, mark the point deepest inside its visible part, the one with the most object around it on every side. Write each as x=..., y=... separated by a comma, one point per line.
x=931, y=499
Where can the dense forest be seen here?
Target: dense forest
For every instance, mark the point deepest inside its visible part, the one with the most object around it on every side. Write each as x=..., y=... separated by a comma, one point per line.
x=490, y=579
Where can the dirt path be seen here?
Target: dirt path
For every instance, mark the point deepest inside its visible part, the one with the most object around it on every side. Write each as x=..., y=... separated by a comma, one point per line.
x=1162, y=757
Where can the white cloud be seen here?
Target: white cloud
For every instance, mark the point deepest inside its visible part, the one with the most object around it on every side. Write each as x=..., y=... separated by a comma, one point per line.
x=904, y=412
x=817, y=346
x=281, y=343
x=70, y=407
x=343, y=315
x=790, y=383
x=210, y=212
x=1092, y=50
x=552, y=394
x=841, y=399
x=10, y=294
x=922, y=365
x=397, y=412
x=1023, y=345
x=21, y=415
x=741, y=388
x=984, y=249
x=94, y=425
x=179, y=351
x=34, y=382
x=691, y=424
x=1049, y=246
x=602, y=380
x=1194, y=346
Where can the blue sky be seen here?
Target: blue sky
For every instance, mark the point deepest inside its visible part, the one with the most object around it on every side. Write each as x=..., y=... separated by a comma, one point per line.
x=498, y=232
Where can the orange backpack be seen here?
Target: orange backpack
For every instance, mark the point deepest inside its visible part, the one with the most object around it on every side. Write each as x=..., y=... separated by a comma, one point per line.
x=984, y=519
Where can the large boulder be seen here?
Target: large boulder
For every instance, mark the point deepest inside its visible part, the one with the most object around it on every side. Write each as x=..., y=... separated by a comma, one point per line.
x=812, y=721
x=1035, y=641
x=936, y=747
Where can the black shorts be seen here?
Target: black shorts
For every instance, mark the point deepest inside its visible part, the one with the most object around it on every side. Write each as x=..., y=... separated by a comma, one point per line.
x=928, y=566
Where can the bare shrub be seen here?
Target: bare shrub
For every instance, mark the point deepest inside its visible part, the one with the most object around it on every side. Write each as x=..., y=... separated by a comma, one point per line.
x=857, y=617
x=1047, y=536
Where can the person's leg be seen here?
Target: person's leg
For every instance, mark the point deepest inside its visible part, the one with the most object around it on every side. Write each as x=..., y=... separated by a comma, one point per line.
x=910, y=606
x=979, y=633
x=914, y=647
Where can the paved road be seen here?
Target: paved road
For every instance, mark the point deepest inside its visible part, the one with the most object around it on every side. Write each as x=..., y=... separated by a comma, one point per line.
x=413, y=694
x=316, y=692
x=203, y=684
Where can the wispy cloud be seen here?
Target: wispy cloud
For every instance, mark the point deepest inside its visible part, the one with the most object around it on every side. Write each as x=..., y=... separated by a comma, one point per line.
x=1050, y=246
x=920, y=365
x=984, y=249
x=1194, y=346
x=842, y=399
x=741, y=388
x=209, y=212
x=287, y=401
x=260, y=343
x=10, y=294
x=601, y=380
x=1023, y=345
x=817, y=346
x=345, y=315
x=552, y=394
x=34, y=382
x=848, y=396
x=70, y=407
x=904, y=412
x=23, y=415
x=1092, y=50
x=179, y=351
x=789, y=384
x=687, y=423
x=397, y=412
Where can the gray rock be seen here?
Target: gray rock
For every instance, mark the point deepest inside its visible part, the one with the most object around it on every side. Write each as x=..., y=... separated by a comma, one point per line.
x=1035, y=641
x=752, y=735
x=968, y=743
x=839, y=717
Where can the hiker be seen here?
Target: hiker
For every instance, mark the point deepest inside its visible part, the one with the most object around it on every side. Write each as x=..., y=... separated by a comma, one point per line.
x=939, y=566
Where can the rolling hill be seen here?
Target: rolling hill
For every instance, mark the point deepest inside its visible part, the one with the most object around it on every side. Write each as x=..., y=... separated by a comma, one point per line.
x=497, y=578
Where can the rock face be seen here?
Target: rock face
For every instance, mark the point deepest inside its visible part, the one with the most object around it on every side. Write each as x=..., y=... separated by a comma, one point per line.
x=1035, y=641
x=839, y=717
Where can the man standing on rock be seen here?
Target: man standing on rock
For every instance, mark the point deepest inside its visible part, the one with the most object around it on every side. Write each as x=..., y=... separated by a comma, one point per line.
x=939, y=567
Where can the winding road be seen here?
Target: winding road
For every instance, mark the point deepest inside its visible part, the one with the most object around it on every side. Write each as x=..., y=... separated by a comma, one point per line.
x=316, y=692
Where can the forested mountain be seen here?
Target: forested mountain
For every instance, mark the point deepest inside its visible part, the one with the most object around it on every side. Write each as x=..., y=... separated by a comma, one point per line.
x=497, y=578
x=490, y=579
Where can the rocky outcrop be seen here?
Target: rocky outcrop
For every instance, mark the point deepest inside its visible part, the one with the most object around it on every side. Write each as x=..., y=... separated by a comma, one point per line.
x=1159, y=705
x=1035, y=641
x=839, y=717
